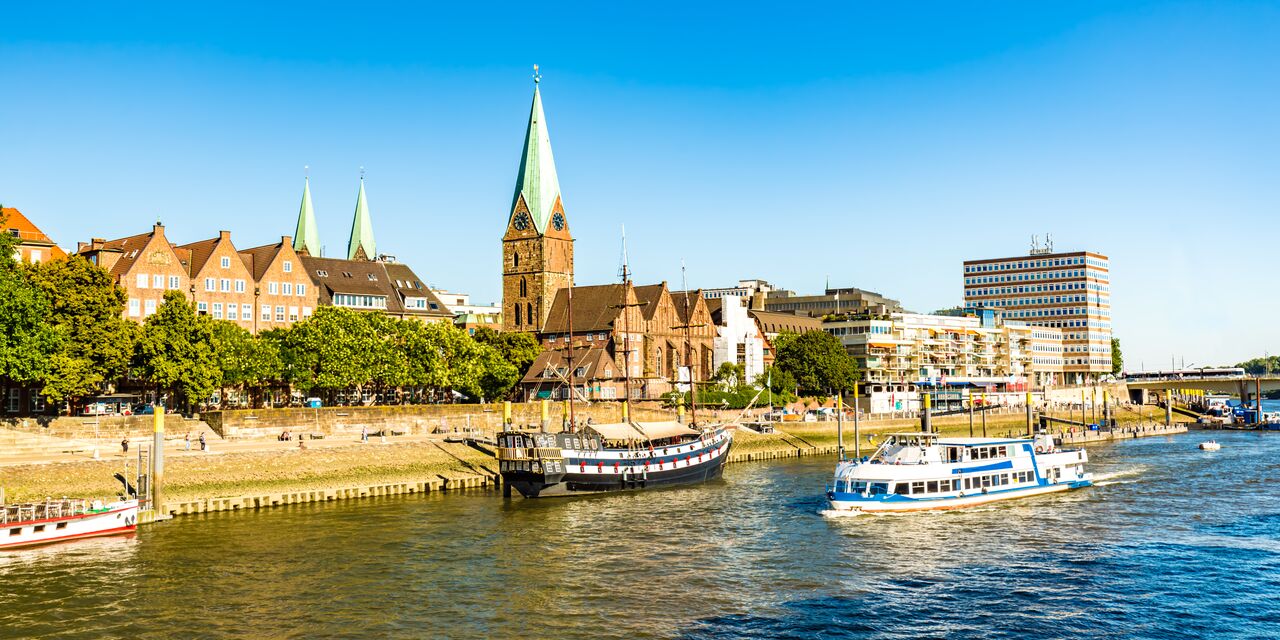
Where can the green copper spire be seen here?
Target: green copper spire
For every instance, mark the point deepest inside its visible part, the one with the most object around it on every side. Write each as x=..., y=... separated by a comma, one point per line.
x=361, y=246
x=537, y=180
x=307, y=236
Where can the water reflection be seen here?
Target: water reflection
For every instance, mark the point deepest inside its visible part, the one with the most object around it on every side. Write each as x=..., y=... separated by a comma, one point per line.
x=1145, y=553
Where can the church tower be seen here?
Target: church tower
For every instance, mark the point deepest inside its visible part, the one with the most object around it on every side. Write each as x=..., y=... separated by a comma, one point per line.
x=360, y=246
x=537, y=250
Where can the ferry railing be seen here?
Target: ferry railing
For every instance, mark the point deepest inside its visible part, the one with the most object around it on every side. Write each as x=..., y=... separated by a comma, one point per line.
x=28, y=511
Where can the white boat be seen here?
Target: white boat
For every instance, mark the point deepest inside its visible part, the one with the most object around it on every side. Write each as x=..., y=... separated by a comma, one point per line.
x=923, y=472
x=1210, y=445
x=33, y=523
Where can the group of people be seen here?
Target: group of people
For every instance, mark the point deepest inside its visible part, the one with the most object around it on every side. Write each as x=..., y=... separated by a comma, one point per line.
x=186, y=440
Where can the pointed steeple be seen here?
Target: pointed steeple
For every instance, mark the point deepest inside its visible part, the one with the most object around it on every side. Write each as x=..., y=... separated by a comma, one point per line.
x=537, y=180
x=360, y=246
x=306, y=237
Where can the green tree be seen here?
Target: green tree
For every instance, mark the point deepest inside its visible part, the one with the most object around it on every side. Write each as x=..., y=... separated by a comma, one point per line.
x=1117, y=358
x=818, y=362
x=464, y=362
x=245, y=362
x=516, y=348
x=27, y=340
x=176, y=351
x=335, y=349
x=86, y=308
x=781, y=382
x=1261, y=366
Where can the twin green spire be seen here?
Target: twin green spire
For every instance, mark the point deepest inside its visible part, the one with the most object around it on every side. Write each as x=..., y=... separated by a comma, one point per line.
x=360, y=246
x=306, y=237
x=537, y=180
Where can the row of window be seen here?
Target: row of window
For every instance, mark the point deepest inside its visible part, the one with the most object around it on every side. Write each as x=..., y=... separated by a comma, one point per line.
x=1044, y=275
x=1038, y=263
x=1035, y=288
x=136, y=309
x=359, y=301
x=157, y=281
x=234, y=311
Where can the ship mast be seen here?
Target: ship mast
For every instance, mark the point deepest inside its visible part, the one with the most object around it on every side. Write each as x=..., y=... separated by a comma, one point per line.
x=569, y=357
x=626, y=330
x=688, y=349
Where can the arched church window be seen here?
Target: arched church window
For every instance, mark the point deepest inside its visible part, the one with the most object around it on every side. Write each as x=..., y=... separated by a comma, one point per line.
x=524, y=288
x=515, y=259
x=529, y=312
x=518, y=314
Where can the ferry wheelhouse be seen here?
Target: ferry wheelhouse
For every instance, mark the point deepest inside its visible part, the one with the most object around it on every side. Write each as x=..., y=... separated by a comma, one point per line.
x=921, y=471
x=33, y=523
x=611, y=457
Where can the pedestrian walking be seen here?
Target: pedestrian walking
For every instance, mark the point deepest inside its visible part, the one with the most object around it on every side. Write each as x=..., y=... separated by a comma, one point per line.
x=186, y=440
x=124, y=444
x=203, y=445
x=364, y=434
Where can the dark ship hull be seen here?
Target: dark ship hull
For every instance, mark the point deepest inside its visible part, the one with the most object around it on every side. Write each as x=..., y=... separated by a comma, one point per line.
x=559, y=470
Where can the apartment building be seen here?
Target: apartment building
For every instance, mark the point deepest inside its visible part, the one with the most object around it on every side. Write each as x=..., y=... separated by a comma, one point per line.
x=146, y=265
x=221, y=283
x=33, y=244
x=1067, y=291
x=283, y=293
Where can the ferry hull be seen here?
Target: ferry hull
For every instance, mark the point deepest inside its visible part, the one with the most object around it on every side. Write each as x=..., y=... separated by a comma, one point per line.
x=947, y=504
x=121, y=518
x=533, y=485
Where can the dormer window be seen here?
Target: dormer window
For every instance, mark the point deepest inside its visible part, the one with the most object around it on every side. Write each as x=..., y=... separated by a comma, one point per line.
x=346, y=274
x=373, y=277
x=322, y=273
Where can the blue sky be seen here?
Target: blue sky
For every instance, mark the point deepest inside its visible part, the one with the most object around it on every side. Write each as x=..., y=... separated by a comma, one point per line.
x=879, y=144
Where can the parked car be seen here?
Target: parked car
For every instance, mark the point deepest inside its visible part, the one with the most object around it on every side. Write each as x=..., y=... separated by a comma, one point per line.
x=313, y=403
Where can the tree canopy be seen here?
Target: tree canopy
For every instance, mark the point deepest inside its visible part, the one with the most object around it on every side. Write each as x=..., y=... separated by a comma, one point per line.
x=817, y=361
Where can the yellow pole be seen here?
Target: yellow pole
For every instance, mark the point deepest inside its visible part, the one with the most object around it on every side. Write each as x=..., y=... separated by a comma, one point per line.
x=626, y=411
x=157, y=460
x=680, y=412
x=506, y=412
x=564, y=419
x=1030, y=430
x=546, y=414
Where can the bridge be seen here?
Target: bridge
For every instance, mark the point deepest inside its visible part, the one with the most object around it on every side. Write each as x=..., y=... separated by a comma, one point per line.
x=1243, y=386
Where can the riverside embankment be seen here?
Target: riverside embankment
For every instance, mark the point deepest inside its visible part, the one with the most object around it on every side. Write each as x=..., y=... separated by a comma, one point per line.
x=248, y=474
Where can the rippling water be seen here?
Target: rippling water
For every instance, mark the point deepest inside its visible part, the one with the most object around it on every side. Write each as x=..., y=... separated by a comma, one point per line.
x=1173, y=543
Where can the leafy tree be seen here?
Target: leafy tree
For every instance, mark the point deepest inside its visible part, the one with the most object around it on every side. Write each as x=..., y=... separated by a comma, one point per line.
x=818, y=362
x=27, y=340
x=86, y=308
x=730, y=375
x=516, y=347
x=464, y=362
x=244, y=361
x=781, y=382
x=1261, y=366
x=176, y=350
x=336, y=348
x=1117, y=359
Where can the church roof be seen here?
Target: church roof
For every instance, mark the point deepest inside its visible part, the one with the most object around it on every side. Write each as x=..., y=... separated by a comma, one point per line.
x=361, y=230
x=594, y=309
x=537, y=180
x=306, y=237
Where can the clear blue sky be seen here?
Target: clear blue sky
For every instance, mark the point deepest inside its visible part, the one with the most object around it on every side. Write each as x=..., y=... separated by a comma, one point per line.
x=878, y=143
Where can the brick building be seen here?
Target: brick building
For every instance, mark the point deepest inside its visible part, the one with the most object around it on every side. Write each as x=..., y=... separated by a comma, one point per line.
x=283, y=292
x=146, y=265
x=221, y=283
x=537, y=248
x=33, y=244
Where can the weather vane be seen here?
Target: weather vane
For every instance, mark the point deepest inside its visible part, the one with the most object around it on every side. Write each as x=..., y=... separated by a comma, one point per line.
x=362, y=173
x=537, y=77
x=306, y=171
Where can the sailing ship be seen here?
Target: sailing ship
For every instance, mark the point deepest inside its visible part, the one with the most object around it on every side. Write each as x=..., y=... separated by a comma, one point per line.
x=622, y=456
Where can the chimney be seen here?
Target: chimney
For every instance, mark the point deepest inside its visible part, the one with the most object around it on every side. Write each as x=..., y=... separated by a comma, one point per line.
x=158, y=229
x=81, y=247
x=286, y=241
x=224, y=235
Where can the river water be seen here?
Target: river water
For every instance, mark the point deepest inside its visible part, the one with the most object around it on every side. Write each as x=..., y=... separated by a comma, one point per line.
x=1172, y=543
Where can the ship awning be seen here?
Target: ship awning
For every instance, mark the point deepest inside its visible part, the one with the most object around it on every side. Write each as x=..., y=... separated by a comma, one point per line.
x=642, y=431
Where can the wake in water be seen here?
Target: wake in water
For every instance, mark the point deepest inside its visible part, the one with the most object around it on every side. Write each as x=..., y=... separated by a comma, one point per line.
x=1123, y=476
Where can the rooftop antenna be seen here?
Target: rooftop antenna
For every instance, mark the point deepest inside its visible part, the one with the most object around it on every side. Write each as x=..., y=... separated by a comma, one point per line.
x=1048, y=243
x=1035, y=244
x=537, y=77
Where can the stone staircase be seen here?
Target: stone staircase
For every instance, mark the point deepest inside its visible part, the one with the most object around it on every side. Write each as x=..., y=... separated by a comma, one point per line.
x=25, y=444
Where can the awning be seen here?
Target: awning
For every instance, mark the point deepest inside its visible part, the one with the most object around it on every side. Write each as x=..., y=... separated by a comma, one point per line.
x=642, y=431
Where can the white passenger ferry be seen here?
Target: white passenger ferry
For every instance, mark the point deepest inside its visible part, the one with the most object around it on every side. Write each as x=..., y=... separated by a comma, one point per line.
x=920, y=472
x=33, y=523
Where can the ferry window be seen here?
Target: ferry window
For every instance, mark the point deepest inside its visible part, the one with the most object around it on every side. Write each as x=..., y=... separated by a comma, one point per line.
x=61, y=525
x=986, y=481
x=933, y=486
x=859, y=487
x=38, y=528
x=917, y=487
x=902, y=488
x=877, y=488
x=16, y=531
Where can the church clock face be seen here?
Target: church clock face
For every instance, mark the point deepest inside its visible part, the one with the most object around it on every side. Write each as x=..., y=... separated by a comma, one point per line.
x=522, y=221
x=558, y=221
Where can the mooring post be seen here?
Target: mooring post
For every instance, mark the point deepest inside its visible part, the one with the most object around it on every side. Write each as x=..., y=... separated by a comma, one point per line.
x=840, y=426
x=157, y=460
x=857, y=435
x=1168, y=408
x=1030, y=431
x=546, y=415
x=926, y=417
